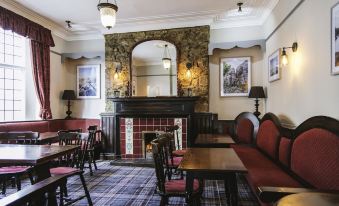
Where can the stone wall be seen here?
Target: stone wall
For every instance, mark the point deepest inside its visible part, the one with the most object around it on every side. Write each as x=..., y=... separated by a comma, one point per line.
x=192, y=46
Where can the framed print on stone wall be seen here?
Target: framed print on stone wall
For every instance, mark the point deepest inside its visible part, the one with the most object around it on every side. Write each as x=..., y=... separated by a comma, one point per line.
x=274, y=66
x=335, y=40
x=88, y=81
x=235, y=76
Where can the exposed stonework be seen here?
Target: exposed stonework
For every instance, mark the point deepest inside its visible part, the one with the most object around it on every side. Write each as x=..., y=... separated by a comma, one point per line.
x=192, y=45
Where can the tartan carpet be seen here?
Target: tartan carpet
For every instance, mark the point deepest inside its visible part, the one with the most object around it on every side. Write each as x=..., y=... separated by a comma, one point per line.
x=123, y=186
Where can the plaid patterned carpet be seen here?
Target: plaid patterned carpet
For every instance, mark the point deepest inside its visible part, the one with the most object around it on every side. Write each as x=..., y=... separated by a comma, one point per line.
x=122, y=186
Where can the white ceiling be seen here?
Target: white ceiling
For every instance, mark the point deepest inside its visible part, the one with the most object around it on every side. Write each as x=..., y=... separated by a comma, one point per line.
x=138, y=15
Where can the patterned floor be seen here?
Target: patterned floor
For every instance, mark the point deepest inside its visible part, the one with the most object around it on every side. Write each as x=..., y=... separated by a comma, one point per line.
x=122, y=186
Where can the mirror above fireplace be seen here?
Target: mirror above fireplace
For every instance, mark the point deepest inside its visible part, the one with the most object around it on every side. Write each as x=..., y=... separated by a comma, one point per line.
x=154, y=69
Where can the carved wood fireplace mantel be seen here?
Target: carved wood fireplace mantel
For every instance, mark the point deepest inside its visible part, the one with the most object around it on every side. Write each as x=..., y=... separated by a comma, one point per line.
x=151, y=109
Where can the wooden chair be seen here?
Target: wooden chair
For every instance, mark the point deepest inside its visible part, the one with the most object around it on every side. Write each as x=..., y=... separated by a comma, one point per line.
x=16, y=172
x=89, y=156
x=31, y=193
x=72, y=164
x=177, y=150
x=166, y=187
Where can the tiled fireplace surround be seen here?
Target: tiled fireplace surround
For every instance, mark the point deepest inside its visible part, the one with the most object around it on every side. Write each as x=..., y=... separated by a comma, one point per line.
x=131, y=133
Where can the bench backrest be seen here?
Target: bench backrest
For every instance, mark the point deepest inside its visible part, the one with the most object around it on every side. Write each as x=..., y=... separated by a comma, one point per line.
x=315, y=152
x=246, y=127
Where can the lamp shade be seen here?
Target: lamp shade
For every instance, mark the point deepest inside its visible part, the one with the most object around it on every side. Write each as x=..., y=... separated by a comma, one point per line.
x=68, y=95
x=108, y=14
x=257, y=92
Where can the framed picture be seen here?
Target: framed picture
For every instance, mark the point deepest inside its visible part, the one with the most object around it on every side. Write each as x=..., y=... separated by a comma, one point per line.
x=235, y=76
x=274, y=66
x=88, y=81
x=335, y=40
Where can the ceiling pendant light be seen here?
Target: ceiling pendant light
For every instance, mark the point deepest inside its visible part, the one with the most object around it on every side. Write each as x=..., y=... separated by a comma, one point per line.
x=108, y=13
x=166, y=60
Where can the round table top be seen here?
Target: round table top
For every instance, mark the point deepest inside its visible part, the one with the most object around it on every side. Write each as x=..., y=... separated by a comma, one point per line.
x=310, y=199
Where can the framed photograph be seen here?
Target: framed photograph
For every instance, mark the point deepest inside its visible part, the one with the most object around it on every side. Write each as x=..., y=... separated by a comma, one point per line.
x=335, y=40
x=235, y=76
x=88, y=82
x=274, y=66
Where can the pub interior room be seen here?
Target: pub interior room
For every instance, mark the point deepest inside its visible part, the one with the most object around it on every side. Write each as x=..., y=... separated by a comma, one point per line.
x=156, y=102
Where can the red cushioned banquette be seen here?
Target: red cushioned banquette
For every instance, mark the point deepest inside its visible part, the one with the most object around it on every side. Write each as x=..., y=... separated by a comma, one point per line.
x=48, y=125
x=245, y=131
x=268, y=138
x=315, y=158
x=285, y=151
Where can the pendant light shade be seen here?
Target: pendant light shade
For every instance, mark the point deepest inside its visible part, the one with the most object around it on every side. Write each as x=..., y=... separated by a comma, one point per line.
x=166, y=61
x=108, y=14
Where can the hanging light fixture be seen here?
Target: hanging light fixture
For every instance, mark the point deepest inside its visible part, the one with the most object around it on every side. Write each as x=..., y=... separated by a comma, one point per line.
x=108, y=13
x=166, y=60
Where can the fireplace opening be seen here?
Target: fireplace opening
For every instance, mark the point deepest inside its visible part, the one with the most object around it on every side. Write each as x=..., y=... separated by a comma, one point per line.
x=147, y=138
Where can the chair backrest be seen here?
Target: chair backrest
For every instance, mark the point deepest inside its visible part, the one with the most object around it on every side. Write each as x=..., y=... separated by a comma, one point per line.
x=88, y=142
x=19, y=137
x=160, y=156
x=175, y=135
x=246, y=127
x=70, y=138
x=92, y=128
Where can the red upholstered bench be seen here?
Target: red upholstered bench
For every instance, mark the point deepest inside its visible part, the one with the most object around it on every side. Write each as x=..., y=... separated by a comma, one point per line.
x=48, y=125
x=307, y=159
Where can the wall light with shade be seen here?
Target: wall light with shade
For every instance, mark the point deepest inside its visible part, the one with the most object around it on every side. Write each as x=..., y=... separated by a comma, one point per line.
x=188, y=71
x=284, y=57
x=117, y=72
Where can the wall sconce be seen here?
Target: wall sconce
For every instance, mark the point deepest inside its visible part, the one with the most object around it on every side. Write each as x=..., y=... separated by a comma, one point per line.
x=284, y=57
x=117, y=72
x=188, y=71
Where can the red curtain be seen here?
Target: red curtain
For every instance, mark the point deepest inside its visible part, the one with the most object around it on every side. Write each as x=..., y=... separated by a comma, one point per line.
x=41, y=41
x=41, y=73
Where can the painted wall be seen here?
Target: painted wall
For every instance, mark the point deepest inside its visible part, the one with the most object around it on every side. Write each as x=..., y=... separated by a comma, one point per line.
x=229, y=107
x=306, y=87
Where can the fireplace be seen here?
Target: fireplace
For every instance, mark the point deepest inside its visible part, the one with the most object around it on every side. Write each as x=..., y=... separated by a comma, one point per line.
x=147, y=137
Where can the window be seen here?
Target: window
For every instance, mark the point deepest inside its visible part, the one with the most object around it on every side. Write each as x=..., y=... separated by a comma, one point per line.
x=12, y=76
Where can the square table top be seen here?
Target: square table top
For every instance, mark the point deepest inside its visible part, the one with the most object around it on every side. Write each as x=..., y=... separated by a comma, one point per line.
x=32, y=154
x=48, y=137
x=211, y=160
x=214, y=139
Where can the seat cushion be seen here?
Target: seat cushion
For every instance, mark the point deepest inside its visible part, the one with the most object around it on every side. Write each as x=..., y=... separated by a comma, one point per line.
x=179, y=152
x=261, y=170
x=179, y=186
x=176, y=161
x=63, y=170
x=13, y=169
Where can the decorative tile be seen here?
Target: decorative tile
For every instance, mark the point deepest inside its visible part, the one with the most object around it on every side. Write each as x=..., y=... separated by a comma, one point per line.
x=129, y=135
x=179, y=123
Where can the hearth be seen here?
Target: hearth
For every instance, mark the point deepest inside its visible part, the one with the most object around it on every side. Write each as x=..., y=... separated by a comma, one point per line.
x=147, y=137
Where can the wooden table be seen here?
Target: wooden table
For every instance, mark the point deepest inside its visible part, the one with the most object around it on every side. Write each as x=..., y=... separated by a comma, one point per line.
x=213, y=140
x=214, y=164
x=310, y=199
x=38, y=156
x=48, y=137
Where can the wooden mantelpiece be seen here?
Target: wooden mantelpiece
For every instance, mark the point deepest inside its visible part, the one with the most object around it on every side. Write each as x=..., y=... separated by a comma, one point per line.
x=145, y=107
x=154, y=105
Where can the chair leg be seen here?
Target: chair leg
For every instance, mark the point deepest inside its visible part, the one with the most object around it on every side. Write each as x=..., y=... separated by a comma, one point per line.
x=61, y=195
x=4, y=185
x=18, y=182
x=94, y=163
x=30, y=176
x=89, y=200
x=89, y=159
x=164, y=201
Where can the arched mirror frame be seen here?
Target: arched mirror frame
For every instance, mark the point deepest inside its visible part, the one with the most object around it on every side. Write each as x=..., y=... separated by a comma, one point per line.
x=131, y=59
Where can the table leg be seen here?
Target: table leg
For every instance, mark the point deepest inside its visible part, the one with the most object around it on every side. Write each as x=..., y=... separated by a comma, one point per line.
x=233, y=189
x=227, y=191
x=42, y=172
x=189, y=187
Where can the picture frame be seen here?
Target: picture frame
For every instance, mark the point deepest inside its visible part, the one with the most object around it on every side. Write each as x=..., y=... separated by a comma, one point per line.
x=335, y=39
x=274, y=66
x=88, y=81
x=235, y=76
